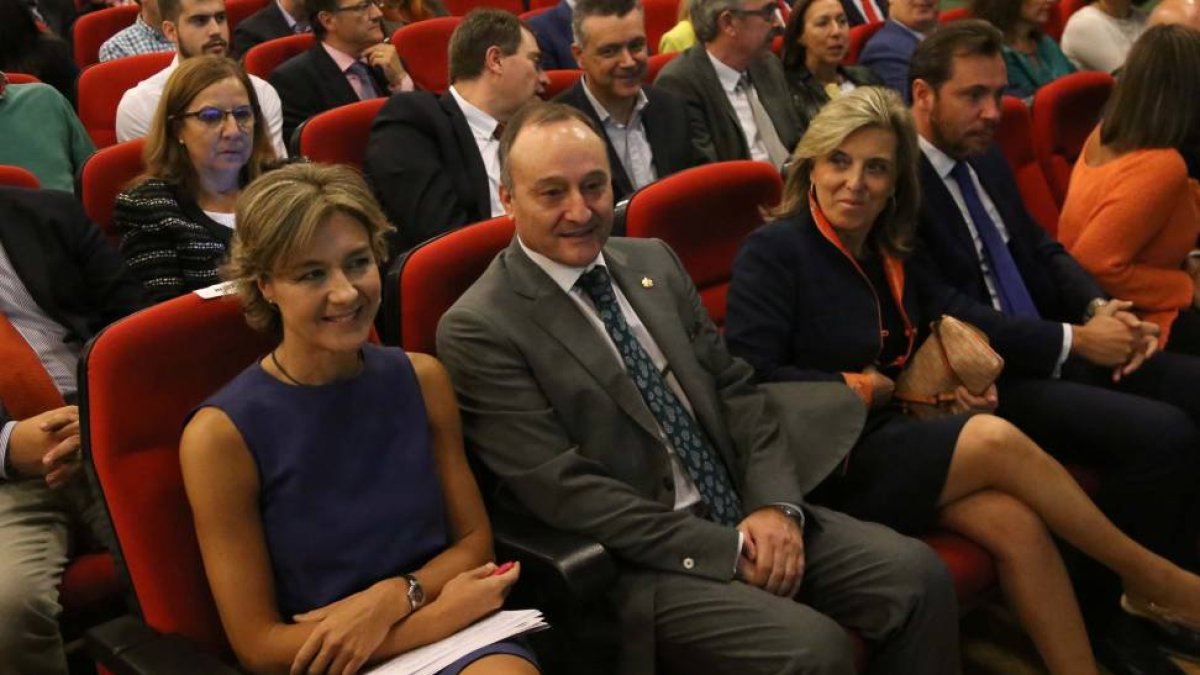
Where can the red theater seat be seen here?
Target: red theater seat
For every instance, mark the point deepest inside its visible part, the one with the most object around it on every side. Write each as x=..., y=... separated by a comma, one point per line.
x=560, y=81
x=21, y=78
x=102, y=85
x=91, y=30
x=104, y=176
x=237, y=11
x=655, y=63
x=660, y=17
x=461, y=7
x=422, y=48
x=703, y=214
x=859, y=36
x=17, y=176
x=955, y=14
x=263, y=58
x=1064, y=114
x=1013, y=136
x=340, y=136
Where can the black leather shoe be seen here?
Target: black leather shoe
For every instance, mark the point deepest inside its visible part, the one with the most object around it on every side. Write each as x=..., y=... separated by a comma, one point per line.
x=1128, y=648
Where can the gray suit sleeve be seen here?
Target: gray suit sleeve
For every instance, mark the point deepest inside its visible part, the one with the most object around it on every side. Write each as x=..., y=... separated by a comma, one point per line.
x=512, y=425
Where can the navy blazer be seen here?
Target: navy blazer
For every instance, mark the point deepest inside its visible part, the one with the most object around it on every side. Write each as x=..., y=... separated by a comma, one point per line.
x=65, y=263
x=666, y=122
x=1060, y=287
x=855, y=17
x=799, y=308
x=553, y=32
x=310, y=83
x=888, y=53
x=425, y=167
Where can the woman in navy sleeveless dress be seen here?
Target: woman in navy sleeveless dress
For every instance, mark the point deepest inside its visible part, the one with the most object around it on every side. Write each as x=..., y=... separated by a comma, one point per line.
x=337, y=516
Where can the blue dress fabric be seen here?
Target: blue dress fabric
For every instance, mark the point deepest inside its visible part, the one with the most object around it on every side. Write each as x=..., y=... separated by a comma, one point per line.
x=349, y=492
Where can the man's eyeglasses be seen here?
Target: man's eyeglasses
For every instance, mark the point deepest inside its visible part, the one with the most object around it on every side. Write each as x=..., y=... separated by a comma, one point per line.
x=361, y=7
x=243, y=116
x=766, y=12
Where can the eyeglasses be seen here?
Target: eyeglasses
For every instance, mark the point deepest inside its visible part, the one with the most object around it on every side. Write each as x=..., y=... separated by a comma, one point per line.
x=361, y=7
x=210, y=116
x=766, y=12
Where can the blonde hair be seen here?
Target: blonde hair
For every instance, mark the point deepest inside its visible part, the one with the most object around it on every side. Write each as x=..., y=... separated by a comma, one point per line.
x=165, y=157
x=277, y=217
x=865, y=107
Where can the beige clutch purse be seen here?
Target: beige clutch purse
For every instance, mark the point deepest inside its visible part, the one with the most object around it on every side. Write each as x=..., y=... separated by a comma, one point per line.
x=956, y=353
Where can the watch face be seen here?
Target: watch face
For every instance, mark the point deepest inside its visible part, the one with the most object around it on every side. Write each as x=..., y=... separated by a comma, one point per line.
x=416, y=594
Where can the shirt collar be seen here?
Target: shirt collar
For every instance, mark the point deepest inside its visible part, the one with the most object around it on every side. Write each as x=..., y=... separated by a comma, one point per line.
x=942, y=163
x=483, y=125
x=341, y=58
x=728, y=76
x=564, y=276
x=603, y=113
x=291, y=21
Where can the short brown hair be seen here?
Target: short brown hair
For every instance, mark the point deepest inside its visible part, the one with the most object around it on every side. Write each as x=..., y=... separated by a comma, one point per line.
x=863, y=108
x=933, y=61
x=279, y=214
x=480, y=30
x=164, y=157
x=1156, y=103
x=534, y=114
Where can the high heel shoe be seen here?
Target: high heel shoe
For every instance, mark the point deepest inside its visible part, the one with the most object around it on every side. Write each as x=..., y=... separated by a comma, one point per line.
x=1178, y=635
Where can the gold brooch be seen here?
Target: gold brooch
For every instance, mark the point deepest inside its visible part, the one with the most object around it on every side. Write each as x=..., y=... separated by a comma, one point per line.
x=647, y=282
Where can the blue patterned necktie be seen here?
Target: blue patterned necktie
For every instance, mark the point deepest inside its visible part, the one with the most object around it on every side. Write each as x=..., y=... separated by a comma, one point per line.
x=686, y=437
x=1014, y=297
x=365, y=83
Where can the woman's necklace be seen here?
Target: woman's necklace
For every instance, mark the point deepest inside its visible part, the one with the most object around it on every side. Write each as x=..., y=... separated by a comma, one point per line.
x=283, y=371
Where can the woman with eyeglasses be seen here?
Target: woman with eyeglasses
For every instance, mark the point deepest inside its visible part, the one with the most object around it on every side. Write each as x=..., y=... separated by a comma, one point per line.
x=208, y=140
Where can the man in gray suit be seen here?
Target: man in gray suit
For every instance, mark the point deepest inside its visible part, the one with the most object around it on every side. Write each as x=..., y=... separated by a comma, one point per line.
x=597, y=388
x=738, y=101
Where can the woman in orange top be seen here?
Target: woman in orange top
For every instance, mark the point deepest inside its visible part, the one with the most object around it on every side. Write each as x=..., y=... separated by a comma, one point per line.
x=1133, y=211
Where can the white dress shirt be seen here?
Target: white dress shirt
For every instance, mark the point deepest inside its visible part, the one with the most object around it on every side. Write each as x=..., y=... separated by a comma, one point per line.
x=138, y=105
x=44, y=335
x=483, y=128
x=943, y=164
x=730, y=80
x=629, y=140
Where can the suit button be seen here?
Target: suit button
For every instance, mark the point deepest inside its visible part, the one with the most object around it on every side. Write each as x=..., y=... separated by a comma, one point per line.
x=668, y=484
x=688, y=563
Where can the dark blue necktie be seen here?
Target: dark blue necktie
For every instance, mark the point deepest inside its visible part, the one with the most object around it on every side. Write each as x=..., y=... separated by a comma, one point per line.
x=686, y=437
x=365, y=83
x=1014, y=297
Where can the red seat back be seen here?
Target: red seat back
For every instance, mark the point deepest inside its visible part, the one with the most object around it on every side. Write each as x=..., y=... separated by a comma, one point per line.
x=139, y=378
x=542, y=4
x=1064, y=113
x=1055, y=22
x=526, y=16
x=102, y=85
x=660, y=17
x=1013, y=136
x=703, y=214
x=427, y=280
x=560, y=81
x=94, y=28
x=237, y=11
x=955, y=14
x=655, y=63
x=422, y=47
x=859, y=35
x=263, y=58
x=340, y=136
x=16, y=176
x=104, y=176
x=461, y=7
x=1068, y=7
x=21, y=78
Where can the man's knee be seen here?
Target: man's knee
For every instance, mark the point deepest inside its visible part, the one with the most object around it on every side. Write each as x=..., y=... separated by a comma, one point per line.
x=919, y=581
x=29, y=612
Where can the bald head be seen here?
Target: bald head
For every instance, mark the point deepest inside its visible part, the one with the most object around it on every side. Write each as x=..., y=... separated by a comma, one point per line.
x=1182, y=12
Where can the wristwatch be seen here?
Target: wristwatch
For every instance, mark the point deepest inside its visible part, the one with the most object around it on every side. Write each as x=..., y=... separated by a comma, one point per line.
x=416, y=594
x=1092, y=308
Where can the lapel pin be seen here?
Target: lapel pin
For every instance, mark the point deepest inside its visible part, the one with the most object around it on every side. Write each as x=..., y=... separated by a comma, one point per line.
x=647, y=282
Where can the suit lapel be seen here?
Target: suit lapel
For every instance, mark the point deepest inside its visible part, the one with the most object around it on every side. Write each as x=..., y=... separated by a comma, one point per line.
x=561, y=318
x=332, y=79
x=707, y=77
x=943, y=207
x=469, y=151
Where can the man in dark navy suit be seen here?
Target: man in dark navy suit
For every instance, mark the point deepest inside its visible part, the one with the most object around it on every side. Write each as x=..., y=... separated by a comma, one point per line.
x=645, y=128
x=1079, y=378
x=60, y=283
x=432, y=160
x=278, y=19
x=888, y=51
x=350, y=63
x=553, y=32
